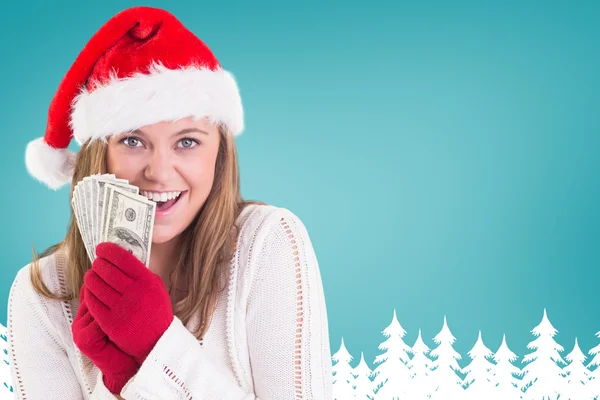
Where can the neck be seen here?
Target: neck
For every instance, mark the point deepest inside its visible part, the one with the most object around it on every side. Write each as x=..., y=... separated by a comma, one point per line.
x=162, y=259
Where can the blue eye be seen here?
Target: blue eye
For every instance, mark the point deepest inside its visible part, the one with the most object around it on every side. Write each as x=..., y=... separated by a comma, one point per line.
x=131, y=139
x=185, y=143
x=189, y=143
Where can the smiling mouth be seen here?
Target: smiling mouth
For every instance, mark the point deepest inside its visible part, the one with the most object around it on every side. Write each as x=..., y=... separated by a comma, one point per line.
x=165, y=205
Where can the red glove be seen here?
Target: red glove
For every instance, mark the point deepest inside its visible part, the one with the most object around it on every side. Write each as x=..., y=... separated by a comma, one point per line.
x=130, y=302
x=116, y=366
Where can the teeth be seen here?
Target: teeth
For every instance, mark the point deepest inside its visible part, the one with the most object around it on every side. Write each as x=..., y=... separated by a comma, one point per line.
x=160, y=196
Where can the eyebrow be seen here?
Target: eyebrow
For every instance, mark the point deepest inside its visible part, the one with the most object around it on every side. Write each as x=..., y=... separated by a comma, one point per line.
x=181, y=132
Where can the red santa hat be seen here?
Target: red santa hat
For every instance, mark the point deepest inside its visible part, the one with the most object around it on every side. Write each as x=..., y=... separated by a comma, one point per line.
x=141, y=67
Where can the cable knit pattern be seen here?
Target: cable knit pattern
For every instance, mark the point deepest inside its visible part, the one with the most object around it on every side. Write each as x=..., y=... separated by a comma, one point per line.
x=268, y=338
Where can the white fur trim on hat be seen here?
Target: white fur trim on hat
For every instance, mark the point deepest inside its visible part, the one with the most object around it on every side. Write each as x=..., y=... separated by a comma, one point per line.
x=162, y=95
x=50, y=165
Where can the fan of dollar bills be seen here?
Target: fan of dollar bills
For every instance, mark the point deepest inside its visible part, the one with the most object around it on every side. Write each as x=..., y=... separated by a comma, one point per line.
x=108, y=209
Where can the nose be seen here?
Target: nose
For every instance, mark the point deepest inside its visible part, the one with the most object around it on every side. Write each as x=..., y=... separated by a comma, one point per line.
x=159, y=167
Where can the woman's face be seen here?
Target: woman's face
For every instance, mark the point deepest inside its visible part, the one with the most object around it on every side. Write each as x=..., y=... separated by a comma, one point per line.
x=166, y=160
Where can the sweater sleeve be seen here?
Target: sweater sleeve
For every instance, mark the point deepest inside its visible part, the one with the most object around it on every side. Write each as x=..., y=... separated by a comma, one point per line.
x=40, y=366
x=286, y=328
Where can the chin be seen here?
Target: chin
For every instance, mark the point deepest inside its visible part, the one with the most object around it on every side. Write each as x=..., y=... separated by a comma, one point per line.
x=163, y=236
x=161, y=239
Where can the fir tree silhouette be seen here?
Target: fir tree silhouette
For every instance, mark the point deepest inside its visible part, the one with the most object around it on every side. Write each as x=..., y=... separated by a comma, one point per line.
x=478, y=376
x=364, y=387
x=507, y=386
x=342, y=374
x=593, y=387
x=445, y=381
x=419, y=366
x=577, y=376
x=543, y=379
x=392, y=376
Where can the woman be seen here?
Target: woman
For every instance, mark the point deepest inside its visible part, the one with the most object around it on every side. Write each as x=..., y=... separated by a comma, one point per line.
x=231, y=305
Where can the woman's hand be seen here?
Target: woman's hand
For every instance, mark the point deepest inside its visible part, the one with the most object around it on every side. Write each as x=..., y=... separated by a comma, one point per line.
x=116, y=366
x=130, y=302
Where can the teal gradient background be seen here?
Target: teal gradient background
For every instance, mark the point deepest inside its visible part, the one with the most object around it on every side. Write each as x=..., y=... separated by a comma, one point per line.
x=444, y=156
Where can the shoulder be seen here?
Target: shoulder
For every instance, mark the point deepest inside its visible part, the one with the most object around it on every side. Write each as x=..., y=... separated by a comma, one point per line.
x=46, y=266
x=260, y=222
x=270, y=240
x=22, y=291
x=272, y=237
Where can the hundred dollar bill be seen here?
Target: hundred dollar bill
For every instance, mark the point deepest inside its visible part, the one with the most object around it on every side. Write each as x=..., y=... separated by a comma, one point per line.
x=75, y=205
x=82, y=209
x=87, y=210
x=95, y=218
x=98, y=200
x=128, y=220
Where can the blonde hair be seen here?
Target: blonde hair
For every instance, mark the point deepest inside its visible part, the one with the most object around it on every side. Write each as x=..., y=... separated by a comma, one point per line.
x=208, y=242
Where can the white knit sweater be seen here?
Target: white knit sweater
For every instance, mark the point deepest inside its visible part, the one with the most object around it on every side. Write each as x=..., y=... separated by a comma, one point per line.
x=268, y=338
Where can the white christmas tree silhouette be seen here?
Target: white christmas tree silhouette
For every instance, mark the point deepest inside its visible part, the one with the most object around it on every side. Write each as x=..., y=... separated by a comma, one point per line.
x=364, y=388
x=543, y=375
x=576, y=374
x=445, y=380
x=6, y=388
x=419, y=370
x=478, y=373
x=342, y=374
x=594, y=385
x=391, y=376
x=503, y=374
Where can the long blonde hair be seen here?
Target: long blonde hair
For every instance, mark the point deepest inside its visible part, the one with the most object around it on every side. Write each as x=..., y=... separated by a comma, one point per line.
x=208, y=243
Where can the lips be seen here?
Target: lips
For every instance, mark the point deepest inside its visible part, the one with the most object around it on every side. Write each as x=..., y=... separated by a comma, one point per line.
x=169, y=206
x=164, y=206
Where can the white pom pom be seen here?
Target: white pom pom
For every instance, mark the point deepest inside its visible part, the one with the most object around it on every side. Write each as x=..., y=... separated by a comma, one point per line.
x=49, y=165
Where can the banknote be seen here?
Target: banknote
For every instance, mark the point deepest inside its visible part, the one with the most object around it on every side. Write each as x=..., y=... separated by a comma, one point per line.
x=76, y=210
x=128, y=220
x=81, y=212
x=98, y=197
x=110, y=209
